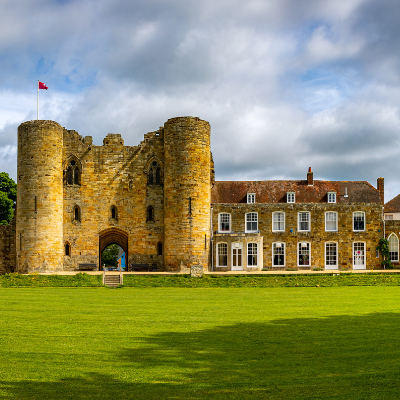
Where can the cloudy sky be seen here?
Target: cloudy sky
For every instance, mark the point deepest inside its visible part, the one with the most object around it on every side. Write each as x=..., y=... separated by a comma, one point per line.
x=285, y=84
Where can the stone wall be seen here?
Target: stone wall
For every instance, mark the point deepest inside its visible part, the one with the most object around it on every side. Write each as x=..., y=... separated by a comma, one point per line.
x=317, y=236
x=113, y=175
x=187, y=193
x=7, y=248
x=39, y=234
x=154, y=199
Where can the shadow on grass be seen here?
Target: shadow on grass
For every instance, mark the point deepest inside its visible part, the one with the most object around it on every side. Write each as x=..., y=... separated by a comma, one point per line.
x=339, y=357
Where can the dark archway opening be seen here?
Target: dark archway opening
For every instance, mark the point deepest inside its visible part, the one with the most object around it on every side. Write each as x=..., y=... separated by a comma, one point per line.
x=113, y=236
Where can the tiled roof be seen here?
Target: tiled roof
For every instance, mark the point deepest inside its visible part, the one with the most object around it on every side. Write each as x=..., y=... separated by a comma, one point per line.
x=275, y=191
x=393, y=205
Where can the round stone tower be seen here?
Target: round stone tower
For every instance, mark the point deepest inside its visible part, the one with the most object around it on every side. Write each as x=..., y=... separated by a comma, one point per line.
x=187, y=192
x=39, y=220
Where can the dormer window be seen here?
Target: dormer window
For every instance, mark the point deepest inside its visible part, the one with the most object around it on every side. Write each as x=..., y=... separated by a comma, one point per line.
x=290, y=197
x=331, y=197
x=251, y=198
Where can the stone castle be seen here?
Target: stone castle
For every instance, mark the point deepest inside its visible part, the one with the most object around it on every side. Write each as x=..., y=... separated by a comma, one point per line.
x=159, y=201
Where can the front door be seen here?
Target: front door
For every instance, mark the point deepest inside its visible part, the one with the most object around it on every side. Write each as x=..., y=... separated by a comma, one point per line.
x=237, y=251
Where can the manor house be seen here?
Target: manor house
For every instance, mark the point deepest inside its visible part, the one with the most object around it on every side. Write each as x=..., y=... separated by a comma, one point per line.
x=160, y=202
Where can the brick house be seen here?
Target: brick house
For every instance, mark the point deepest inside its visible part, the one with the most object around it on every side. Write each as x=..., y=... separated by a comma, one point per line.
x=305, y=224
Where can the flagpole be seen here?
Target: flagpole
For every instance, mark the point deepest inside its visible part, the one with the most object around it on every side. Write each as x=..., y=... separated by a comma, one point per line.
x=38, y=99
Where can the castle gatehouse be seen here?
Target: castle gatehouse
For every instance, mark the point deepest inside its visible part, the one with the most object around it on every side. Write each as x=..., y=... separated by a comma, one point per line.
x=160, y=203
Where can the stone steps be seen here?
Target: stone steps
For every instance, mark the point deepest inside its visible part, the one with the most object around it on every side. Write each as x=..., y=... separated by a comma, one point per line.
x=112, y=281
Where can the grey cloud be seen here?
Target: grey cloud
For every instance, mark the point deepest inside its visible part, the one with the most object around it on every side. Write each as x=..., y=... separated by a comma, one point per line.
x=250, y=68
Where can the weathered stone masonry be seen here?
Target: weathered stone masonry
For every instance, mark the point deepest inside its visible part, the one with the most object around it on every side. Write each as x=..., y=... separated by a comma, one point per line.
x=159, y=201
x=75, y=198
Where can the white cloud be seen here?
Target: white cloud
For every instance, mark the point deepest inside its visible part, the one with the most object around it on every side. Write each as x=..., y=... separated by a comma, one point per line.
x=285, y=84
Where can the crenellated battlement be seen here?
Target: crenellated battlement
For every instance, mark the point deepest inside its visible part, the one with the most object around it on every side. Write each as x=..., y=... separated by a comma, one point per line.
x=76, y=196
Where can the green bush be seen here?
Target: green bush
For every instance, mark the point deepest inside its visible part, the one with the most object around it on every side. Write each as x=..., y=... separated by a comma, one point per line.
x=215, y=281
x=78, y=280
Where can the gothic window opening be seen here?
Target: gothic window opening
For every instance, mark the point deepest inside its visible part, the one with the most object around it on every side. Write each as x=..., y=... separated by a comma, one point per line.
x=114, y=213
x=77, y=213
x=151, y=176
x=67, y=249
x=73, y=173
x=154, y=175
x=150, y=214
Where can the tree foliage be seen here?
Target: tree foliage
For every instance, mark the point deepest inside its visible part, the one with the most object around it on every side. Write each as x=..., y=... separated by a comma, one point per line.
x=383, y=247
x=109, y=256
x=8, y=198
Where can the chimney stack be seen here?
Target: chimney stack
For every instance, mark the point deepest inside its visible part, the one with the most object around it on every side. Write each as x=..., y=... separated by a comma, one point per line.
x=310, y=179
x=380, y=186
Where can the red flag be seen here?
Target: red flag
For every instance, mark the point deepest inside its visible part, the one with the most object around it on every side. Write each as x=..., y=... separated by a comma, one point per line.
x=42, y=86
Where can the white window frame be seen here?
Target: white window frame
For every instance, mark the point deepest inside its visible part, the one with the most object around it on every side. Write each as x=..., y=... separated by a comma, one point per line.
x=251, y=222
x=219, y=254
x=358, y=214
x=388, y=217
x=331, y=197
x=300, y=221
x=329, y=213
x=329, y=265
x=282, y=251
x=251, y=253
x=301, y=251
x=251, y=198
x=278, y=213
x=290, y=197
x=393, y=247
x=357, y=258
x=220, y=217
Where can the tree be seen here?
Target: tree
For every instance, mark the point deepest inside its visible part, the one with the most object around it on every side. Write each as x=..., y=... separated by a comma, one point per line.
x=109, y=256
x=383, y=247
x=8, y=198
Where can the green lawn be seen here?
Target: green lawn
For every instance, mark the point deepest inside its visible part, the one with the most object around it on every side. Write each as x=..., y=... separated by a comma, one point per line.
x=182, y=343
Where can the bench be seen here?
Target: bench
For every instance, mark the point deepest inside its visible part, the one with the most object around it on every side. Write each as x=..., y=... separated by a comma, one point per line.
x=87, y=267
x=143, y=267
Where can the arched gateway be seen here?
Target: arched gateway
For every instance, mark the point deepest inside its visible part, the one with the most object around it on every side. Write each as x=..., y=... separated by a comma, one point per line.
x=110, y=236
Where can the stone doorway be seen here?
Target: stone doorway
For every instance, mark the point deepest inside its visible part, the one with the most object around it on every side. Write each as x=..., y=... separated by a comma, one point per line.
x=110, y=236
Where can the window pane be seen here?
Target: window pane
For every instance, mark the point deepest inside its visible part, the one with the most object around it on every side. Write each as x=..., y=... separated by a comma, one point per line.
x=278, y=254
x=304, y=221
x=251, y=198
x=394, y=248
x=222, y=254
x=331, y=197
x=304, y=254
x=252, y=222
x=278, y=221
x=252, y=254
x=225, y=222
x=331, y=221
x=330, y=254
x=358, y=219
